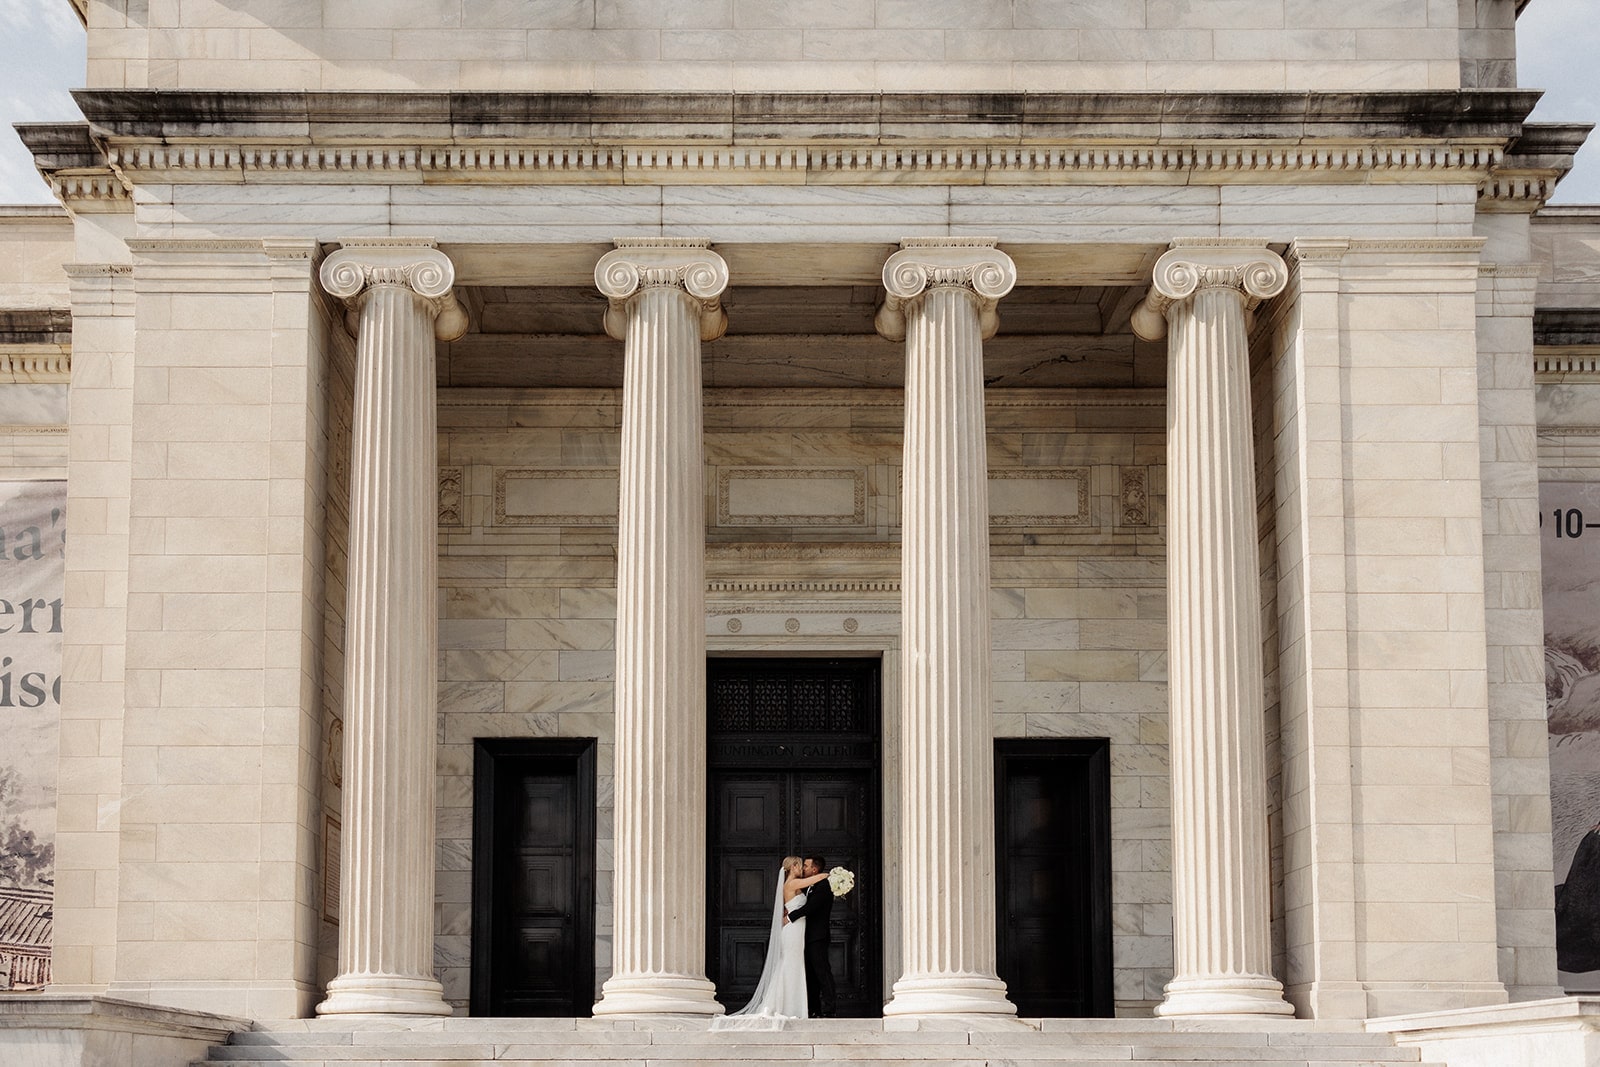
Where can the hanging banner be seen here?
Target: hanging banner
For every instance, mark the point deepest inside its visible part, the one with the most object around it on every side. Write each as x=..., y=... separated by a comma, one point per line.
x=32, y=543
x=1569, y=533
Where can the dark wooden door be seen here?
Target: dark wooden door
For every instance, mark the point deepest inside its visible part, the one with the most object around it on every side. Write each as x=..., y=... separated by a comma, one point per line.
x=793, y=771
x=1053, y=875
x=533, y=877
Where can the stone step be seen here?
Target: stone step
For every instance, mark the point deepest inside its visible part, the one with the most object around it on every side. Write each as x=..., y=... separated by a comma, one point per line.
x=860, y=1043
x=692, y=1053
x=494, y=1036
x=887, y=1060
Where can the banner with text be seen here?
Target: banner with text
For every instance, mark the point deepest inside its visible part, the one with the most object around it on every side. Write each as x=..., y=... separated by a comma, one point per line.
x=32, y=552
x=1569, y=532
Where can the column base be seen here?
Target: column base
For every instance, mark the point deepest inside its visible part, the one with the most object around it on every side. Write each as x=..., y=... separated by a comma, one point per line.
x=1233, y=994
x=658, y=994
x=953, y=994
x=383, y=994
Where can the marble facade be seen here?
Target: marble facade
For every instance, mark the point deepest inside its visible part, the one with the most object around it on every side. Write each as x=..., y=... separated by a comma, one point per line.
x=489, y=409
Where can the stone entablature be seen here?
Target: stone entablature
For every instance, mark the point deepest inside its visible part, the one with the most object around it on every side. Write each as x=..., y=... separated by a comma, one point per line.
x=841, y=138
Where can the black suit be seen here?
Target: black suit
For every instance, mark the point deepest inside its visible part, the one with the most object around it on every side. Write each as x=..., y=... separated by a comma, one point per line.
x=817, y=910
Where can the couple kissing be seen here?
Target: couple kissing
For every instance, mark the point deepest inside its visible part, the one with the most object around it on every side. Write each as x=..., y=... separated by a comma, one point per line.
x=796, y=981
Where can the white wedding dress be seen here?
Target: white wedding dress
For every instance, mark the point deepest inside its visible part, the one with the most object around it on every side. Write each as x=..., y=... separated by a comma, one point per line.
x=781, y=991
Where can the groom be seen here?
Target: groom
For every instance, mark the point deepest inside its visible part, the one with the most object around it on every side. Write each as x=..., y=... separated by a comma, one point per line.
x=818, y=909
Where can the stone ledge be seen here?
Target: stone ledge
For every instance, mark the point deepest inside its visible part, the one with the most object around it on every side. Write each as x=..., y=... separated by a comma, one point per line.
x=1566, y=327
x=69, y=1011
x=70, y=1030
x=36, y=326
x=1558, y=1032
x=1494, y=115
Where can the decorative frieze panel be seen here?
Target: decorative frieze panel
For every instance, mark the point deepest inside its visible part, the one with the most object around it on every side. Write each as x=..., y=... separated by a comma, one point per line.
x=1133, y=496
x=779, y=496
x=561, y=497
x=450, y=495
x=837, y=498
x=1039, y=496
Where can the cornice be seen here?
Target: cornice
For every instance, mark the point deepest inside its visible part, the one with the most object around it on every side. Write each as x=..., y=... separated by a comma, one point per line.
x=168, y=115
x=1527, y=174
x=72, y=188
x=1566, y=327
x=153, y=136
x=36, y=326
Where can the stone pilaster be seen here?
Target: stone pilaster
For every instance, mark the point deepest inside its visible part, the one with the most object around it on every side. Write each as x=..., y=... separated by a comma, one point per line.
x=400, y=300
x=95, y=628
x=664, y=302
x=1202, y=298
x=941, y=301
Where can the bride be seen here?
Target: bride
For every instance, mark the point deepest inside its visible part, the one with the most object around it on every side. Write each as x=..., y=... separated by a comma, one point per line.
x=781, y=992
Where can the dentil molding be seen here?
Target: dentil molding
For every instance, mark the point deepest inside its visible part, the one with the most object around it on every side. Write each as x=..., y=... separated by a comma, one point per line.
x=838, y=164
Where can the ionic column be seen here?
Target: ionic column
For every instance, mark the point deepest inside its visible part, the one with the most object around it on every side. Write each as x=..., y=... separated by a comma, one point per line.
x=664, y=302
x=400, y=301
x=1202, y=299
x=941, y=301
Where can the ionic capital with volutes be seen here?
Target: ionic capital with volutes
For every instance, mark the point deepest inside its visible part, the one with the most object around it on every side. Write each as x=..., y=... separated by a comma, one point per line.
x=666, y=262
x=358, y=267
x=1248, y=267
x=970, y=263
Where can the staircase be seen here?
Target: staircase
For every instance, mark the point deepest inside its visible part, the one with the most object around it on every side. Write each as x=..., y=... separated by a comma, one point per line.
x=857, y=1042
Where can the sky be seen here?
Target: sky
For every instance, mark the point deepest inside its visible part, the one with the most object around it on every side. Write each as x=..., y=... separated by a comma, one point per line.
x=41, y=57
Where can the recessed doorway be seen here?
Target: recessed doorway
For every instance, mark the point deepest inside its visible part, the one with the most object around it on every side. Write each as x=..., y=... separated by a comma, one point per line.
x=533, y=877
x=1053, y=875
x=793, y=770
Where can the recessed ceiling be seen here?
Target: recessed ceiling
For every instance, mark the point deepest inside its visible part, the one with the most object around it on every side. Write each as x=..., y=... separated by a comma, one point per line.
x=798, y=337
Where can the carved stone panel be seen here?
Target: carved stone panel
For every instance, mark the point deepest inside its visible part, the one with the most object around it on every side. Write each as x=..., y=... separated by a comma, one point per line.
x=573, y=496
x=1039, y=496
x=451, y=480
x=780, y=496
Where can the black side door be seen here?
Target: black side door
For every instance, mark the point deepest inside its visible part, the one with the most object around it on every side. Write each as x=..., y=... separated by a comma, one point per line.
x=1053, y=875
x=533, y=877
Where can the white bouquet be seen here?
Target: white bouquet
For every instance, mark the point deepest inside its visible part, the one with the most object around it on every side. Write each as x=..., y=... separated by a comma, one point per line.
x=841, y=881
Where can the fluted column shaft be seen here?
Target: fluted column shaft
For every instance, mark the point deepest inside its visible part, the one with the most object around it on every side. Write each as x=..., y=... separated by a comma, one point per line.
x=400, y=301
x=1221, y=911
x=663, y=302
x=941, y=298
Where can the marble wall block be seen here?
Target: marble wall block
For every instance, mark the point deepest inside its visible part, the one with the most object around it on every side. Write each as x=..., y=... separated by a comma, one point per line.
x=815, y=45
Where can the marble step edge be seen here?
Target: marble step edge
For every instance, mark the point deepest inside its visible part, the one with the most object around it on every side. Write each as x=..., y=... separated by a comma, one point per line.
x=959, y=1024
x=879, y=1061
x=634, y=1038
x=807, y=1032
x=835, y=1053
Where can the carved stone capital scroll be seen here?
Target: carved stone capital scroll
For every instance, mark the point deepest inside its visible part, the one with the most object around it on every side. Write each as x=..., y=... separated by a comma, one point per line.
x=1250, y=268
x=973, y=264
x=358, y=267
x=666, y=262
